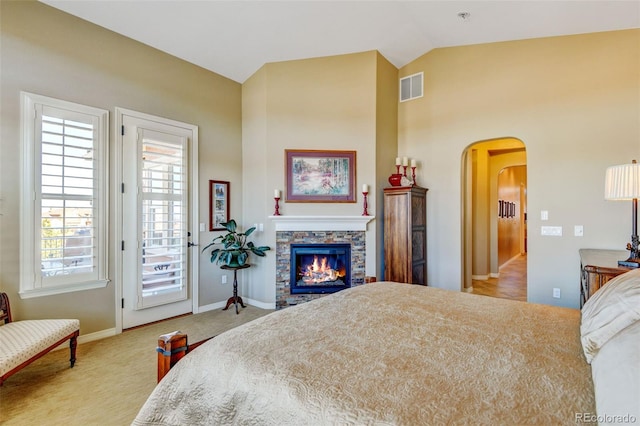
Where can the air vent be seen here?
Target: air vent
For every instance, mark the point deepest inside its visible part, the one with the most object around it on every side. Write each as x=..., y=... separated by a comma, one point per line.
x=411, y=87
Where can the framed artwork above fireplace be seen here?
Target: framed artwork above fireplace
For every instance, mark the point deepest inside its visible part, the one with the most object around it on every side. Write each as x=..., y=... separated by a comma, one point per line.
x=315, y=176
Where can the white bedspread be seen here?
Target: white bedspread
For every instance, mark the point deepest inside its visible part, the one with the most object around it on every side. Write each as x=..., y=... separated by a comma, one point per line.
x=385, y=354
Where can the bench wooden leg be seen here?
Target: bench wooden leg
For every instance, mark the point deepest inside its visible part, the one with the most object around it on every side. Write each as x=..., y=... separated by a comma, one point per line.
x=73, y=343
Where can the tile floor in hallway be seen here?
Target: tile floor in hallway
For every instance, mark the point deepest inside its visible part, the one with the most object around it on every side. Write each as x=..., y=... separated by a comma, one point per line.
x=512, y=283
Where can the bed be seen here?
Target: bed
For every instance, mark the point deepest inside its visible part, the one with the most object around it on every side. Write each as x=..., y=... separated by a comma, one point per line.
x=397, y=354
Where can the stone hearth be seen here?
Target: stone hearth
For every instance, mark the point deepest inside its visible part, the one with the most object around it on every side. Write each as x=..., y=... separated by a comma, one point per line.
x=316, y=230
x=284, y=239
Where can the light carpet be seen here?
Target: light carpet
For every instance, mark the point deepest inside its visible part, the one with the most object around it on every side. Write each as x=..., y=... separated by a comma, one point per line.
x=111, y=379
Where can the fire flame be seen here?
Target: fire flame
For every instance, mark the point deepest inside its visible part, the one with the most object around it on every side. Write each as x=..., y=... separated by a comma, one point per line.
x=319, y=272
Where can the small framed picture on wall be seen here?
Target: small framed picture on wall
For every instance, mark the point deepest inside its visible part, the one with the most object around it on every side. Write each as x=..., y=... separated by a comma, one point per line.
x=218, y=204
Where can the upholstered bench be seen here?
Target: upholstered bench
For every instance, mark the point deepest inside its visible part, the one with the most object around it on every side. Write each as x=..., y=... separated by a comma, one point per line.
x=22, y=342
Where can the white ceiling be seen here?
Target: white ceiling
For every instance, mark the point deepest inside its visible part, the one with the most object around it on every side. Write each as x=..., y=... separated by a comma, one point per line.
x=235, y=38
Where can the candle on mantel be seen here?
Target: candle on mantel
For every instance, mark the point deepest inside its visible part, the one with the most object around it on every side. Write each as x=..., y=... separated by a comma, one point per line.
x=276, y=193
x=413, y=162
x=365, y=188
x=405, y=161
x=397, y=161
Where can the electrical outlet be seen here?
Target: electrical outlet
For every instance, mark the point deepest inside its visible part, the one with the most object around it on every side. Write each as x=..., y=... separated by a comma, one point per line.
x=224, y=279
x=578, y=231
x=556, y=293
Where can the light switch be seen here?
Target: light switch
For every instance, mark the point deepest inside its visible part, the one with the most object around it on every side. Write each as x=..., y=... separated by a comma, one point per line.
x=578, y=231
x=544, y=215
x=554, y=231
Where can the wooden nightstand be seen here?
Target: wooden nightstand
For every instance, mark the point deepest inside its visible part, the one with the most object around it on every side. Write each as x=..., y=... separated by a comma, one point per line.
x=596, y=268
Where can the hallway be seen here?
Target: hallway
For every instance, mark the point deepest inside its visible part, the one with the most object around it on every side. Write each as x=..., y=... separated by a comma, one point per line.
x=512, y=283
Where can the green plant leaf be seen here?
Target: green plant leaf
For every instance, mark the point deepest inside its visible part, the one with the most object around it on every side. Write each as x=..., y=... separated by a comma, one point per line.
x=260, y=251
x=234, y=246
x=230, y=226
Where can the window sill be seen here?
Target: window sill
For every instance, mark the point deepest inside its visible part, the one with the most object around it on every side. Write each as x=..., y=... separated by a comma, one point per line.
x=50, y=291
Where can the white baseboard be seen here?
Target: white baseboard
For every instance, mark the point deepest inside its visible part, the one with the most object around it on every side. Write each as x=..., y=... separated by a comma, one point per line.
x=485, y=277
x=480, y=277
x=211, y=307
x=262, y=305
x=97, y=335
x=85, y=338
x=252, y=302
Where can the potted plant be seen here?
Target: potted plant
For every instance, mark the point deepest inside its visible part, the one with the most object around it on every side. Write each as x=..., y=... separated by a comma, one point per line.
x=235, y=248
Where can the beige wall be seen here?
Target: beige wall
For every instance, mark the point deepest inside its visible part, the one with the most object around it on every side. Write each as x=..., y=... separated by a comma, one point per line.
x=321, y=103
x=48, y=52
x=386, y=149
x=510, y=184
x=575, y=103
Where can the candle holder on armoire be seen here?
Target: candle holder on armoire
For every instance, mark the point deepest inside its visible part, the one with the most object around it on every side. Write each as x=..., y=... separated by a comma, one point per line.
x=401, y=178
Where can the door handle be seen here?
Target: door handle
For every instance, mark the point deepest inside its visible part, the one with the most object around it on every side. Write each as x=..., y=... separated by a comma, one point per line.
x=190, y=244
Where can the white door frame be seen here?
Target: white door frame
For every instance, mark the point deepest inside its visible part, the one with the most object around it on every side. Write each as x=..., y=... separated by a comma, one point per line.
x=118, y=206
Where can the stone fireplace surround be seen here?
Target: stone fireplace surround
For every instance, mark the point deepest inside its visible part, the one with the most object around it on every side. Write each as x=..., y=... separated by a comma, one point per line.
x=316, y=230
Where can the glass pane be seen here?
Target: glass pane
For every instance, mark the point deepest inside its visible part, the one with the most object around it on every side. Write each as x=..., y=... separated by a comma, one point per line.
x=405, y=88
x=163, y=210
x=416, y=86
x=67, y=159
x=67, y=237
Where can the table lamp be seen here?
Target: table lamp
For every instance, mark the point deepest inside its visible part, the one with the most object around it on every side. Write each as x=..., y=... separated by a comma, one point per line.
x=623, y=183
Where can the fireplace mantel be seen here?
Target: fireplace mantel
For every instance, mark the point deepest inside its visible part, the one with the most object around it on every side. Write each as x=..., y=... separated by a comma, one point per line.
x=321, y=223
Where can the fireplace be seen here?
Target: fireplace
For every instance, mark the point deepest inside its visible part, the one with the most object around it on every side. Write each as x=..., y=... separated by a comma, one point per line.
x=316, y=230
x=320, y=268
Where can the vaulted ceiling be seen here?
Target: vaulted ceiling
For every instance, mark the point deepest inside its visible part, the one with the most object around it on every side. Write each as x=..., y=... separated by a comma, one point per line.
x=236, y=38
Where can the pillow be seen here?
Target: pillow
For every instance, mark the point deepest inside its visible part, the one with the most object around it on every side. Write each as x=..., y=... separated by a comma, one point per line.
x=610, y=310
x=616, y=378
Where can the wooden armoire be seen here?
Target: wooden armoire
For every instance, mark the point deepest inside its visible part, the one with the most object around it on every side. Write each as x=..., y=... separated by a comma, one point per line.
x=405, y=234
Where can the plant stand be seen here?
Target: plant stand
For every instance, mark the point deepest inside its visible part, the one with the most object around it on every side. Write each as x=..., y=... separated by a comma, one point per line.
x=235, y=299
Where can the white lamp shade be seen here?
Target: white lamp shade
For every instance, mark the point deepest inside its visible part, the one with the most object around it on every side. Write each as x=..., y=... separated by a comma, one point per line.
x=622, y=182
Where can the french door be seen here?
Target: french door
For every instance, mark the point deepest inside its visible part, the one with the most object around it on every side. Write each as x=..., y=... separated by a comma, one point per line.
x=157, y=267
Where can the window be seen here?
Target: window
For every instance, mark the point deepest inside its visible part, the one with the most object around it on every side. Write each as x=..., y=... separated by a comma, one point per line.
x=411, y=87
x=64, y=197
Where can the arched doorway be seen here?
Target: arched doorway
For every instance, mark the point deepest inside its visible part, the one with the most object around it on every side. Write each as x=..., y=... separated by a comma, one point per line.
x=494, y=214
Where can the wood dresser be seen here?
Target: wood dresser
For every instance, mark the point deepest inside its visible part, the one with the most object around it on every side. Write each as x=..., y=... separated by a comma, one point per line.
x=405, y=234
x=596, y=268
